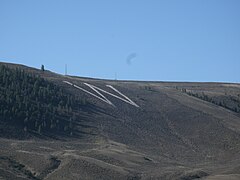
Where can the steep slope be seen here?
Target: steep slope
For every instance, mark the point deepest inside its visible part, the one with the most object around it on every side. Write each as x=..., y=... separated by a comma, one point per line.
x=135, y=130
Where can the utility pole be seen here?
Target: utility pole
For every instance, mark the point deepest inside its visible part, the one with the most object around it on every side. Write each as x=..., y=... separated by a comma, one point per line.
x=65, y=69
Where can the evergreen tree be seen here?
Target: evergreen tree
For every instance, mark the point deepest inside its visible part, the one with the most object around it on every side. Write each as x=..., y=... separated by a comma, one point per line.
x=42, y=68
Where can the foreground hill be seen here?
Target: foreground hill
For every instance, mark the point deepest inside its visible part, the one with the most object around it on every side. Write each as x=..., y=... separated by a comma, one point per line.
x=119, y=129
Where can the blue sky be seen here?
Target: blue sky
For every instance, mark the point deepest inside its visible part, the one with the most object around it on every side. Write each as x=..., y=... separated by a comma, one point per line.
x=171, y=40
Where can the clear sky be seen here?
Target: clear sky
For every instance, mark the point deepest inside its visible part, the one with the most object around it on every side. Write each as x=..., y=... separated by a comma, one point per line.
x=171, y=40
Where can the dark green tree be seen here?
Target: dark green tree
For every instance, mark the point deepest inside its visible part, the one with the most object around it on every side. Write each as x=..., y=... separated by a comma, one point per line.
x=42, y=68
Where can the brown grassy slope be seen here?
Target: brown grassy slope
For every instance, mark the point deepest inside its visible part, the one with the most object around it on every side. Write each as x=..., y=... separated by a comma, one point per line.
x=171, y=136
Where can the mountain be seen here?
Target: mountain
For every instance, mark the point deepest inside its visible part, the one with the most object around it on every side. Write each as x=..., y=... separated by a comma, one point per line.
x=66, y=127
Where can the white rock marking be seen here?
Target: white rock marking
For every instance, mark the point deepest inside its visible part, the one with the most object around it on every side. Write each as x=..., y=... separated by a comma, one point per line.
x=101, y=97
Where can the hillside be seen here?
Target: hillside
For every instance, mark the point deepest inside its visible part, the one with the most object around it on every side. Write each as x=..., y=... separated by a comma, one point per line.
x=30, y=104
x=64, y=127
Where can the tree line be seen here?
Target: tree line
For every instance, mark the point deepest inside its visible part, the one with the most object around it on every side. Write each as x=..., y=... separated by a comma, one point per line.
x=229, y=102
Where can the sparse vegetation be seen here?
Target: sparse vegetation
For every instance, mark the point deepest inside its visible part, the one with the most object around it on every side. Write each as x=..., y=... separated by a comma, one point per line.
x=227, y=101
x=32, y=103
